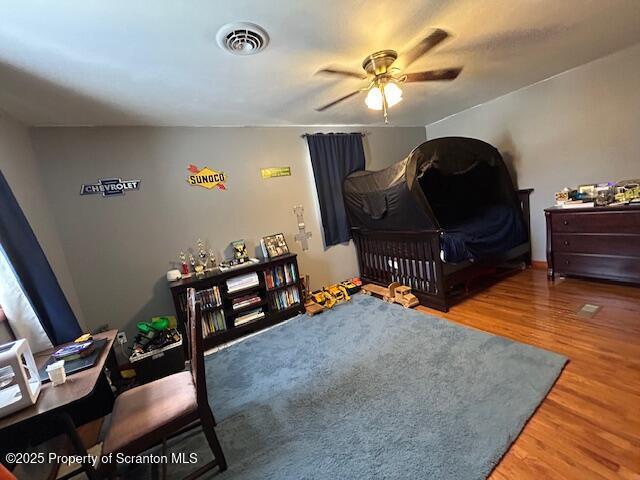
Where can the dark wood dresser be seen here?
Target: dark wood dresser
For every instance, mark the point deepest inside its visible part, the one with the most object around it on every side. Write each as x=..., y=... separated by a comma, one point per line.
x=598, y=242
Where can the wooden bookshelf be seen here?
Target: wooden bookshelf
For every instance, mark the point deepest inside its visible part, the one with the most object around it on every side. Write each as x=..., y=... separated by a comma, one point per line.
x=217, y=278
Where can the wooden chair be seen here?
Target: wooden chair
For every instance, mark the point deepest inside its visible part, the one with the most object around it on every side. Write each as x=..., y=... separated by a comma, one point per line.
x=146, y=416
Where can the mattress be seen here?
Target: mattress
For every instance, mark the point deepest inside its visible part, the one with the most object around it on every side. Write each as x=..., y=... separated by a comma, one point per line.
x=491, y=230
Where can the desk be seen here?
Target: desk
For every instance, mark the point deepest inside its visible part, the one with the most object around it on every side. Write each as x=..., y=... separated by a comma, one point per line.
x=54, y=402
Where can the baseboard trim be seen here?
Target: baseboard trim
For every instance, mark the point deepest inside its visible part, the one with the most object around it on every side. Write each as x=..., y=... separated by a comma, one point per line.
x=538, y=265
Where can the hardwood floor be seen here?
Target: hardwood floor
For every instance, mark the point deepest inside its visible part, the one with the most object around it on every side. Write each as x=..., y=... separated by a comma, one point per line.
x=589, y=425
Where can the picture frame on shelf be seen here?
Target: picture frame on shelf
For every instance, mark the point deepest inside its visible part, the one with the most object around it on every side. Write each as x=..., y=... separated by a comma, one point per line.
x=274, y=246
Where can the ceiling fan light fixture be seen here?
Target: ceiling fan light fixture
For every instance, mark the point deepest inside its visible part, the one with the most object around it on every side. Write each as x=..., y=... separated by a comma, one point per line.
x=383, y=89
x=393, y=93
x=374, y=99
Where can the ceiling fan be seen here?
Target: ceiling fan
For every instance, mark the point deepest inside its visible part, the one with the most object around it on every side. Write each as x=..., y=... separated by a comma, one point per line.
x=384, y=79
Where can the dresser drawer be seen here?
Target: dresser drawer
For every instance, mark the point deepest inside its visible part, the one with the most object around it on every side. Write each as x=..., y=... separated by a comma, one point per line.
x=626, y=269
x=597, y=222
x=605, y=244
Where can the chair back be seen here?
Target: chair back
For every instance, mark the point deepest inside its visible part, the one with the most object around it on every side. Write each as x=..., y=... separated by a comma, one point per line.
x=194, y=324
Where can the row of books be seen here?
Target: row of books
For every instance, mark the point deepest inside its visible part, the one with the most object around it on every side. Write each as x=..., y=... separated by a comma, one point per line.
x=285, y=298
x=246, y=300
x=249, y=317
x=209, y=298
x=241, y=282
x=280, y=275
x=213, y=322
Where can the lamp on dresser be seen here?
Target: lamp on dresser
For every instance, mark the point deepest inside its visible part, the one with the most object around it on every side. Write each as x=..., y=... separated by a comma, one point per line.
x=594, y=242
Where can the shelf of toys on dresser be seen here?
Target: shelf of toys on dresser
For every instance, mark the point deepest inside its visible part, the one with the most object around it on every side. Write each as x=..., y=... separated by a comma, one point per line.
x=227, y=315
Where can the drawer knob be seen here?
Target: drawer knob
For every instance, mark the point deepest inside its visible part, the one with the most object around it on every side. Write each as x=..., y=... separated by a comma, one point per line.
x=567, y=262
x=565, y=222
x=566, y=243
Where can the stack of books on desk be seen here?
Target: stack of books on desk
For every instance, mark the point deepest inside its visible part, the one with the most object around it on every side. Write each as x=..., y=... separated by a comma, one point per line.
x=249, y=317
x=241, y=282
x=74, y=351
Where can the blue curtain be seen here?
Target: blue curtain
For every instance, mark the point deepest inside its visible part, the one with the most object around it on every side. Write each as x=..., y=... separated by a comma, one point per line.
x=33, y=270
x=333, y=157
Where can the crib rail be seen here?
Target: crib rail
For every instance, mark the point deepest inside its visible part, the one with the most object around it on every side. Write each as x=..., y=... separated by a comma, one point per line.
x=411, y=258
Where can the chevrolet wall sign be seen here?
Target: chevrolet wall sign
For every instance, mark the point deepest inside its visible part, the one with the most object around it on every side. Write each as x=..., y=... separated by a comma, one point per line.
x=109, y=187
x=205, y=177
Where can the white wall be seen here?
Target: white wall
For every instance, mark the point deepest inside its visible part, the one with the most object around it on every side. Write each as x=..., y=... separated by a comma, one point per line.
x=582, y=126
x=119, y=249
x=26, y=180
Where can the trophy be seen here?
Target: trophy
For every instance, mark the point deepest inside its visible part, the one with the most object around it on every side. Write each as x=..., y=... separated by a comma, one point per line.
x=202, y=254
x=212, y=259
x=202, y=258
x=184, y=266
x=192, y=261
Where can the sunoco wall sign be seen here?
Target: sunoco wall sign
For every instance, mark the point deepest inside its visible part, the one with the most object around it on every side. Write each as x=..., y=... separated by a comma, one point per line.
x=110, y=187
x=206, y=178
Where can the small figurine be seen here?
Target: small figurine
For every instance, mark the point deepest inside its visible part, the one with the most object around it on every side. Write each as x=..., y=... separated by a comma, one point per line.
x=192, y=262
x=240, y=251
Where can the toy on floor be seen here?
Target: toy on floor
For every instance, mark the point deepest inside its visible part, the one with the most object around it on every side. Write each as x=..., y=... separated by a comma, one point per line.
x=158, y=333
x=327, y=297
x=395, y=292
x=352, y=286
x=338, y=292
x=310, y=306
x=324, y=298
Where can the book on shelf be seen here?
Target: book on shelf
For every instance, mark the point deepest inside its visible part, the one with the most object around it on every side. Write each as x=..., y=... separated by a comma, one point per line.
x=209, y=298
x=213, y=321
x=241, y=282
x=245, y=301
x=249, y=317
x=274, y=246
x=285, y=298
x=280, y=275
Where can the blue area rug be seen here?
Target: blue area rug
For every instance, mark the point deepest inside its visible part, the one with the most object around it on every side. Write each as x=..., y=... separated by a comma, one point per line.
x=370, y=390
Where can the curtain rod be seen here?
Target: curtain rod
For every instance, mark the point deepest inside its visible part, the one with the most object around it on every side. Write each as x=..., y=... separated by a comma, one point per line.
x=362, y=134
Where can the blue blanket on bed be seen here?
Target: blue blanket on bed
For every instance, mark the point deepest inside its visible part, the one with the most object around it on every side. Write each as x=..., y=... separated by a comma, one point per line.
x=493, y=229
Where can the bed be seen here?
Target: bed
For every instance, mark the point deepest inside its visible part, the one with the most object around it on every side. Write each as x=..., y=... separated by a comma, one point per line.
x=439, y=219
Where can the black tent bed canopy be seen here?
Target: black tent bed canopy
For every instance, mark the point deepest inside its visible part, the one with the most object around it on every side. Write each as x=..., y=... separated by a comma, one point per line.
x=438, y=219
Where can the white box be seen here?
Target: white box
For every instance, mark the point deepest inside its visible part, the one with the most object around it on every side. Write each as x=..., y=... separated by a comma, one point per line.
x=19, y=379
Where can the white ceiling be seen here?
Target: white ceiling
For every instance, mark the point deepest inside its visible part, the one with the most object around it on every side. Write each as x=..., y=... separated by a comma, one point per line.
x=156, y=62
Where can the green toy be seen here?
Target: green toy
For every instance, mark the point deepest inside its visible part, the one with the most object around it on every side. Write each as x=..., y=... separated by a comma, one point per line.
x=157, y=324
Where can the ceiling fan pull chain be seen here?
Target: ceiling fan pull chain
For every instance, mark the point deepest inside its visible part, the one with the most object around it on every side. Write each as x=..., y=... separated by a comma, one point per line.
x=384, y=106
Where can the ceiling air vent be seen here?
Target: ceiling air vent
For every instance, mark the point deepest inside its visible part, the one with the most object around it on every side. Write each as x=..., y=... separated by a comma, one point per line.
x=242, y=38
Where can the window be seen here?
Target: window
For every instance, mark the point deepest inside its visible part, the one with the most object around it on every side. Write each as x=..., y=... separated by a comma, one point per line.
x=19, y=313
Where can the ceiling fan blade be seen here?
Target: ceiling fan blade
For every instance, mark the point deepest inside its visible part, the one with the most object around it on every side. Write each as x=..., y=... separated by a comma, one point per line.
x=343, y=72
x=329, y=105
x=426, y=44
x=433, y=75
